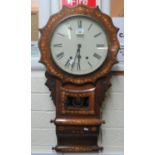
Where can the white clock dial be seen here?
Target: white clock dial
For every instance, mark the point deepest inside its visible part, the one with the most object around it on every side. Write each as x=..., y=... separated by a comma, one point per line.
x=79, y=45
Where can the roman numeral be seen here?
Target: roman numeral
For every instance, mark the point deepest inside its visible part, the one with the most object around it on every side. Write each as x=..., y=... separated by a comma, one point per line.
x=97, y=56
x=99, y=45
x=90, y=64
x=98, y=34
x=78, y=66
x=67, y=63
x=79, y=24
x=70, y=28
x=90, y=26
x=60, y=55
x=62, y=35
x=57, y=45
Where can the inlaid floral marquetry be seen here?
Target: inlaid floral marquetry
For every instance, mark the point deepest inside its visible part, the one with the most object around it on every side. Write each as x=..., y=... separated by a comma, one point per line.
x=78, y=47
x=101, y=18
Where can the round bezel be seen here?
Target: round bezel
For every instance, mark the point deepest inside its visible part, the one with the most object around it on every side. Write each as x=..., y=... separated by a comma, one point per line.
x=61, y=22
x=80, y=10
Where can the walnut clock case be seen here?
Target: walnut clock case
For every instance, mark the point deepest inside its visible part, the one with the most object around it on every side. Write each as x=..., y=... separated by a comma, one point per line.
x=78, y=47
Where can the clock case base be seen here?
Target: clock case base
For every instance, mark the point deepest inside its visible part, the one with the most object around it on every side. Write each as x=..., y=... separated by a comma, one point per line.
x=77, y=149
x=77, y=124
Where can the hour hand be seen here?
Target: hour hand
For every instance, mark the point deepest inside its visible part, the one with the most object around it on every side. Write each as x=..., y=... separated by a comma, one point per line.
x=78, y=65
x=77, y=55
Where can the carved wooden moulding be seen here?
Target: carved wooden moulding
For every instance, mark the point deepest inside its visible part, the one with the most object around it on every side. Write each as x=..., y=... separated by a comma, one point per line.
x=78, y=79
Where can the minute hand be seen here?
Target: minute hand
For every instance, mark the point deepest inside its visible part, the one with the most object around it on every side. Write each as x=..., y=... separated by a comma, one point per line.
x=77, y=53
x=74, y=60
x=79, y=57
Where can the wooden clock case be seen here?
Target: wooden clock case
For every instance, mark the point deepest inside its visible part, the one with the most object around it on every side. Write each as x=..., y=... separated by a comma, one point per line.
x=78, y=99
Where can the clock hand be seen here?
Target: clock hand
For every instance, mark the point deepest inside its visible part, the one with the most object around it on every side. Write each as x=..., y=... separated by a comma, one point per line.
x=74, y=62
x=79, y=57
x=77, y=53
x=78, y=66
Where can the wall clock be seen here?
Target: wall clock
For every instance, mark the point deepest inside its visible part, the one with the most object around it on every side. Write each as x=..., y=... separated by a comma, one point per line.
x=78, y=47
